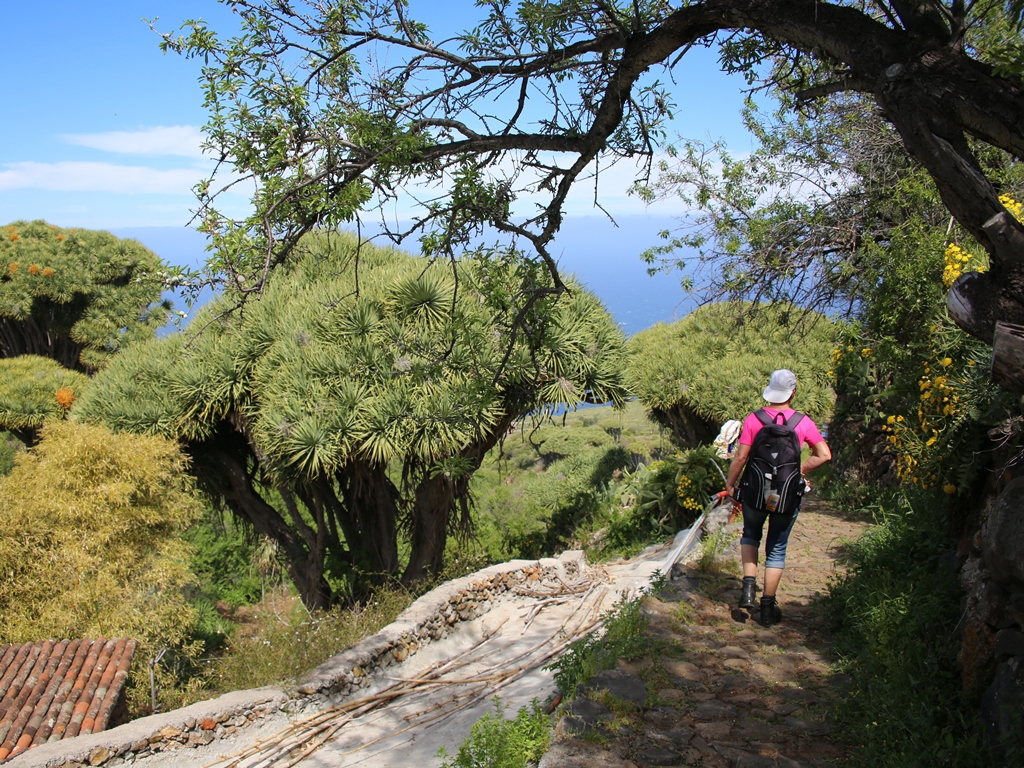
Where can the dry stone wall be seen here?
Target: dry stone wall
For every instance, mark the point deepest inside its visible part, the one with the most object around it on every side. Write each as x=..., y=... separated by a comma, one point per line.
x=992, y=647
x=430, y=618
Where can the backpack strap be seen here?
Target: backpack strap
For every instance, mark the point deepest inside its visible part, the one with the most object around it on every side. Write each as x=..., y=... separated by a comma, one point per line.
x=795, y=419
x=763, y=417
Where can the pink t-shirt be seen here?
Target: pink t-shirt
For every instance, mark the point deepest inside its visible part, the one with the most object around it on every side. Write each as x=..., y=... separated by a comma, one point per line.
x=806, y=430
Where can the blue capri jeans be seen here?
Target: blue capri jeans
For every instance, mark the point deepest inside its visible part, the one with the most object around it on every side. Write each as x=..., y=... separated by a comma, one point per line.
x=779, y=527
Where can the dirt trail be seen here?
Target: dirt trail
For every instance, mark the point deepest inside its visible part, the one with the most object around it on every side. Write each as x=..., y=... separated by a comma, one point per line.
x=722, y=690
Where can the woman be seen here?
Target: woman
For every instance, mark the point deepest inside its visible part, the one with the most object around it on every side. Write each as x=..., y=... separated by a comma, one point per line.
x=779, y=394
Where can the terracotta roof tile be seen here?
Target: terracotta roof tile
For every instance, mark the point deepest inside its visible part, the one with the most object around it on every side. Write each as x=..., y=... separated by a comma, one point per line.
x=54, y=690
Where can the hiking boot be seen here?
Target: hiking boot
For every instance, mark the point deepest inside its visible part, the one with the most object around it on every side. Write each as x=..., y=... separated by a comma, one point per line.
x=748, y=599
x=770, y=611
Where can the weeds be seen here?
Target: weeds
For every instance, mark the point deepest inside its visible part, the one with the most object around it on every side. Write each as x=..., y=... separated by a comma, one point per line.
x=624, y=638
x=280, y=648
x=894, y=616
x=683, y=613
x=711, y=547
x=495, y=742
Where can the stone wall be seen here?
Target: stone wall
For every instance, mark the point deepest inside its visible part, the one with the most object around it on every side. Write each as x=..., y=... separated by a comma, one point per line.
x=430, y=618
x=992, y=649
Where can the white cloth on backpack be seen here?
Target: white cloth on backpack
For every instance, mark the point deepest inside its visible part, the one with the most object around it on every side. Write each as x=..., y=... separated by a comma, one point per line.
x=727, y=437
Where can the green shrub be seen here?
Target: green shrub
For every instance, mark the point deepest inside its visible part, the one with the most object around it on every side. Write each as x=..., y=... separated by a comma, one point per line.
x=545, y=488
x=894, y=617
x=624, y=638
x=658, y=500
x=34, y=391
x=495, y=742
x=224, y=561
x=712, y=365
x=90, y=546
x=280, y=648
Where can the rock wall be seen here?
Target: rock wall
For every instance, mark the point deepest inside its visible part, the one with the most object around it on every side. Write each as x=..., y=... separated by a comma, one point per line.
x=432, y=617
x=992, y=649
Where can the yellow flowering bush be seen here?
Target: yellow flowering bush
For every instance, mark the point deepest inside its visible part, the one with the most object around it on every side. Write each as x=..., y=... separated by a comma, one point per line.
x=932, y=445
x=959, y=260
x=685, y=490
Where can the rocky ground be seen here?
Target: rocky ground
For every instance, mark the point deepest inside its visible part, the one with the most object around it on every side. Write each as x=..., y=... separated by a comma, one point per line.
x=718, y=689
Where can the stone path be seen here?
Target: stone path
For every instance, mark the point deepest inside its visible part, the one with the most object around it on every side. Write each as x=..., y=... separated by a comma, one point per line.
x=718, y=689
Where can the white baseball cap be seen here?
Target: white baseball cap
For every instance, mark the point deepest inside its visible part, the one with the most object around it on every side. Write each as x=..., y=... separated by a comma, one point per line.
x=780, y=386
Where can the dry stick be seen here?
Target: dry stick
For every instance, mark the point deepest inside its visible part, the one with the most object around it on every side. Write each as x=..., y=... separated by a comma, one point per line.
x=317, y=723
x=504, y=679
x=513, y=677
x=313, y=747
x=518, y=671
x=290, y=739
x=500, y=679
x=310, y=725
x=424, y=690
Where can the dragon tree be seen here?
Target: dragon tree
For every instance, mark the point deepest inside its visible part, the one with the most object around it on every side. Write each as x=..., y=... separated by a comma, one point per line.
x=353, y=402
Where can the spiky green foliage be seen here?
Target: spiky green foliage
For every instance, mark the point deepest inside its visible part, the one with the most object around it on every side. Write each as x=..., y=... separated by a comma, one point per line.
x=711, y=366
x=88, y=544
x=35, y=390
x=75, y=295
x=365, y=394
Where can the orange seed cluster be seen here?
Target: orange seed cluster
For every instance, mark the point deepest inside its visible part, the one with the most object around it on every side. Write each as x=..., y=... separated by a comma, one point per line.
x=65, y=397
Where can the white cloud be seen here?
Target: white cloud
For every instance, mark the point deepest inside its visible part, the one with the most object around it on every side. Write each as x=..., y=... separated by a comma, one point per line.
x=177, y=140
x=98, y=177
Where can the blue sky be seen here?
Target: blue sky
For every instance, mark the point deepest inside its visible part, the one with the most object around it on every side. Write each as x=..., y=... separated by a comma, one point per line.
x=102, y=130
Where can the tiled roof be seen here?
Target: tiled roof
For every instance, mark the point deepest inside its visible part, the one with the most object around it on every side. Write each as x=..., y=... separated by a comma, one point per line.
x=54, y=690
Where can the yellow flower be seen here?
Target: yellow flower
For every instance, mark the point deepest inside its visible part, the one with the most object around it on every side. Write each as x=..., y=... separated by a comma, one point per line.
x=34, y=269
x=949, y=488
x=47, y=272
x=890, y=420
x=946, y=361
x=1015, y=208
x=866, y=352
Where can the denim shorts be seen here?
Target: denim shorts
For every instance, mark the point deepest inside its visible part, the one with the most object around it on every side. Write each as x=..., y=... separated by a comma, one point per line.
x=779, y=527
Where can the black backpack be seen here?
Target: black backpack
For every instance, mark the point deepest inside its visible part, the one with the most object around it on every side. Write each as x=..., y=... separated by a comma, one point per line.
x=773, y=466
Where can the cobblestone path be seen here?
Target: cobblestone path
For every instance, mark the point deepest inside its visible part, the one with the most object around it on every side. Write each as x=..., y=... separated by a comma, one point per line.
x=718, y=689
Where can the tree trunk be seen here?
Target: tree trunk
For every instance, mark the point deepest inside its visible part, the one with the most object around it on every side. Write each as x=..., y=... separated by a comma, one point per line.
x=372, y=516
x=1008, y=357
x=223, y=470
x=432, y=509
x=438, y=497
x=689, y=428
x=45, y=333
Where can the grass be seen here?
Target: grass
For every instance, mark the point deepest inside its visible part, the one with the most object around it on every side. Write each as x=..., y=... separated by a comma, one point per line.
x=280, y=641
x=546, y=488
x=624, y=638
x=895, y=619
x=709, y=559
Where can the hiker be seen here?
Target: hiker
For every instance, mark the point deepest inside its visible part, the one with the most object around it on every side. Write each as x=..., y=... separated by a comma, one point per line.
x=772, y=487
